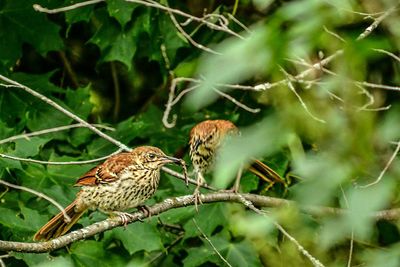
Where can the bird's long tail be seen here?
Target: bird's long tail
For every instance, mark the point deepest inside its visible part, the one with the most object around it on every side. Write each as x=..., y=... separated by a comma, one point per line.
x=266, y=173
x=57, y=226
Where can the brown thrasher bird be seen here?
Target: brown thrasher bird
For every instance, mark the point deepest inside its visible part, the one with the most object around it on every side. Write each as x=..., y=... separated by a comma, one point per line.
x=206, y=138
x=125, y=180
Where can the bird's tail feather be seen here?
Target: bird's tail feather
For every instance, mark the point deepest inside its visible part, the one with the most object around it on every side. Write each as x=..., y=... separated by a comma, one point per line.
x=266, y=173
x=57, y=226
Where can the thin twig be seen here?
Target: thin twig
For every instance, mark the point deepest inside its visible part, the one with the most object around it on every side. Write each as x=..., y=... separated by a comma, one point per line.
x=376, y=23
x=396, y=151
x=166, y=249
x=182, y=177
x=39, y=8
x=189, y=38
x=232, y=17
x=234, y=101
x=168, y=107
x=59, y=162
x=66, y=112
x=302, y=75
x=251, y=206
x=334, y=34
x=186, y=15
x=117, y=90
x=52, y=130
x=69, y=69
x=291, y=87
x=387, y=53
x=352, y=231
x=380, y=86
x=49, y=199
x=211, y=244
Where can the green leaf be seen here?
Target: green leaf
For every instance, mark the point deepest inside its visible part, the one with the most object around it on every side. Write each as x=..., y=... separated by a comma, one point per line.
x=29, y=147
x=388, y=257
x=33, y=259
x=121, y=10
x=12, y=106
x=139, y=236
x=88, y=253
x=115, y=43
x=93, y=253
x=249, y=182
x=78, y=14
x=20, y=23
x=11, y=219
x=60, y=261
x=237, y=254
x=78, y=101
x=216, y=211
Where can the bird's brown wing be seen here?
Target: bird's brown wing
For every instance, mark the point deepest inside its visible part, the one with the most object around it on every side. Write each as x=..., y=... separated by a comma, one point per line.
x=106, y=172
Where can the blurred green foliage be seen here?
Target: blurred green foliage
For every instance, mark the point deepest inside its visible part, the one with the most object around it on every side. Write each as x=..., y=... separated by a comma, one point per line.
x=104, y=62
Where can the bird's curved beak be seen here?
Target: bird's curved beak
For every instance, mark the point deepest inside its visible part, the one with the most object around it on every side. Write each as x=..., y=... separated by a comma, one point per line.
x=168, y=159
x=180, y=162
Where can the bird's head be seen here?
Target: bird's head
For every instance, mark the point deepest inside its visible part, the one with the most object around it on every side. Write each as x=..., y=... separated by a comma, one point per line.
x=152, y=157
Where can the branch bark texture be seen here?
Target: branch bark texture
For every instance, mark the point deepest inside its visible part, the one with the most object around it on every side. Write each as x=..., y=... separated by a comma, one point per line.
x=172, y=203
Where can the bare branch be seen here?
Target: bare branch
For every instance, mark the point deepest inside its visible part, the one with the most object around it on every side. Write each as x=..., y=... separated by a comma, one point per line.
x=59, y=162
x=396, y=151
x=178, y=202
x=173, y=243
x=291, y=87
x=182, y=177
x=352, y=231
x=334, y=34
x=237, y=103
x=302, y=75
x=387, y=53
x=39, y=8
x=66, y=112
x=211, y=244
x=380, y=86
x=52, y=130
x=49, y=199
x=232, y=17
x=189, y=38
x=190, y=17
x=376, y=23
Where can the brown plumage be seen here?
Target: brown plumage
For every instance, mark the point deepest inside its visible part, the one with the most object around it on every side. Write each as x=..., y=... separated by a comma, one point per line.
x=123, y=181
x=205, y=139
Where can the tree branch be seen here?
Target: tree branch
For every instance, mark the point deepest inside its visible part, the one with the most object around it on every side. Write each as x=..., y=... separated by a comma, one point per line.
x=63, y=110
x=178, y=202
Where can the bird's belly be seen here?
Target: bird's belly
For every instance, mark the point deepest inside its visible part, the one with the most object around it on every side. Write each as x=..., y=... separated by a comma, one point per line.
x=116, y=196
x=203, y=159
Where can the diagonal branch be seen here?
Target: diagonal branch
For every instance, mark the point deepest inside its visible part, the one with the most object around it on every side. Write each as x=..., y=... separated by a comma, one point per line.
x=50, y=102
x=49, y=199
x=52, y=130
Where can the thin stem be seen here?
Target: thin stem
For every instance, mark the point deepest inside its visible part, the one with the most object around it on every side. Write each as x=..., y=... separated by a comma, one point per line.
x=377, y=180
x=211, y=244
x=67, y=8
x=59, y=162
x=49, y=199
x=52, y=130
x=66, y=112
